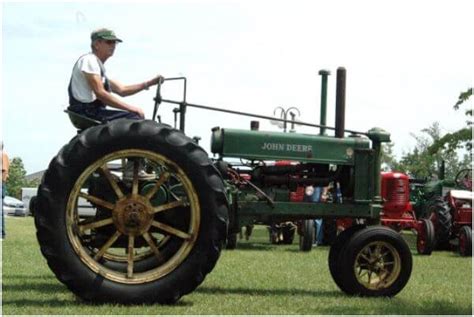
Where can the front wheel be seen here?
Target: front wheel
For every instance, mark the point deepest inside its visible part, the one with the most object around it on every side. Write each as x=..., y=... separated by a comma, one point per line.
x=425, y=239
x=465, y=241
x=376, y=262
x=131, y=212
x=307, y=235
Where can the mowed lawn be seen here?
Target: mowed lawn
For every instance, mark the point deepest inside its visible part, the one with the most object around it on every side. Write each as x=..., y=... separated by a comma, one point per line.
x=257, y=278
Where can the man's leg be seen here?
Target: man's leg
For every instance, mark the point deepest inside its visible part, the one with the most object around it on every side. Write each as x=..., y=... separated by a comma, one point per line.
x=106, y=115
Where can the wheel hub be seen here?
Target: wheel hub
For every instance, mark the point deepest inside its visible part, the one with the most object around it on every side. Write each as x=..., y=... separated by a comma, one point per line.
x=133, y=215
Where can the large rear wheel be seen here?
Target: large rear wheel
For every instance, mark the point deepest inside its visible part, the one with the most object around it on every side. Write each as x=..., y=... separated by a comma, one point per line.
x=138, y=240
x=438, y=213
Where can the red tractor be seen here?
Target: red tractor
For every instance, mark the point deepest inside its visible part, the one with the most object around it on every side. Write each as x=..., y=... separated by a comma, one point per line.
x=451, y=212
x=398, y=212
x=459, y=203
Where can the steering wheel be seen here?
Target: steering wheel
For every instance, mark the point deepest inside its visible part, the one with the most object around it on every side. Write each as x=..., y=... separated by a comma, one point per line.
x=464, y=179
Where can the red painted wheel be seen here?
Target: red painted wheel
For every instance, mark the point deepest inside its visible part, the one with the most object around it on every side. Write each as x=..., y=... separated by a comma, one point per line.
x=465, y=241
x=426, y=237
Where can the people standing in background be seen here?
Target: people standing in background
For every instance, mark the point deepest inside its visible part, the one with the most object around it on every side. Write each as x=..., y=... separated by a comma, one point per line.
x=5, y=168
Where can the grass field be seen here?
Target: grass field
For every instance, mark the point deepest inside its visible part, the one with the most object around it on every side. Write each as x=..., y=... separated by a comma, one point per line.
x=257, y=278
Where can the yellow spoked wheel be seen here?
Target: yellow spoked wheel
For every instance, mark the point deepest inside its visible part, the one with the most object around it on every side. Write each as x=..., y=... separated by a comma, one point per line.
x=131, y=212
x=131, y=231
x=374, y=261
x=377, y=265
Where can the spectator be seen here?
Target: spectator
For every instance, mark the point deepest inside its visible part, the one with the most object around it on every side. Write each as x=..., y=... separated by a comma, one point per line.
x=5, y=168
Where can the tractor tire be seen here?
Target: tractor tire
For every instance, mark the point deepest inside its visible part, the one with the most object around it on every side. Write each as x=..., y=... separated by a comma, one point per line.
x=32, y=205
x=329, y=231
x=339, y=243
x=308, y=235
x=465, y=241
x=231, y=241
x=149, y=252
x=375, y=262
x=438, y=213
x=273, y=234
x=425, y=240
x=288, y=231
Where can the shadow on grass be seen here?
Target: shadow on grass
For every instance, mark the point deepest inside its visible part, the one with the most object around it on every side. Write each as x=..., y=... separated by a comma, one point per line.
x=45, y=287
x=397, y=306
x=28, y=277
x=267, y=292
x=255, y=246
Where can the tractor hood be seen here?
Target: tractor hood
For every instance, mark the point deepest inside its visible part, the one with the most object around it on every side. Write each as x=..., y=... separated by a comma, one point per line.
x=264, y=145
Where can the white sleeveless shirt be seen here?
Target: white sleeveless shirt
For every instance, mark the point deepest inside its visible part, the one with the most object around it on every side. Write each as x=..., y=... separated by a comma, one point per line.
x=89, y=64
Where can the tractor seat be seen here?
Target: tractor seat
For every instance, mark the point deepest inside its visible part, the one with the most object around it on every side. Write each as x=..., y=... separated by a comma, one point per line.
x=81, y=122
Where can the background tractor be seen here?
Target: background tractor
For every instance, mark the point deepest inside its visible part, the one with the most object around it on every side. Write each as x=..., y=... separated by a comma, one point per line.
x=155, y=239
x=448, y=204
x=399, y=214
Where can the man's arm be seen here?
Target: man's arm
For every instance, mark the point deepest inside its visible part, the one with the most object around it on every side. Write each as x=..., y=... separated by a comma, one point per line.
x=127, y=90
x=106, y=97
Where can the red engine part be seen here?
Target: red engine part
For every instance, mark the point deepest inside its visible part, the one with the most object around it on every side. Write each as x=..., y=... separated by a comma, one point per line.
x=298, y=195
x=397, y=211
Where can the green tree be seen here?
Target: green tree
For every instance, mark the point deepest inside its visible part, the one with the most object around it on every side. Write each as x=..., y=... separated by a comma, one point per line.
x=17, y=178
x=462, y=137
x=421, y=163
x=388, y=159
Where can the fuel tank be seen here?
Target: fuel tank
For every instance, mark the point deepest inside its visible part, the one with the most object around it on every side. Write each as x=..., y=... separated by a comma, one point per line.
x=263, y=145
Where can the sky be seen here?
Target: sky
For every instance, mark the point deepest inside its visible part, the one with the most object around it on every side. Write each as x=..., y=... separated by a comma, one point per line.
x=406, y=62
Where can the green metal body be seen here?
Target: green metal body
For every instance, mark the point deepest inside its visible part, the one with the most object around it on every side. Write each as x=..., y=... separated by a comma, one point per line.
x=258, y=145
x=358, y=155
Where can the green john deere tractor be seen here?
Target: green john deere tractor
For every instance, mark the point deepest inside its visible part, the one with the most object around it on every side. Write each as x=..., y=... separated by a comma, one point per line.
x=155, y=238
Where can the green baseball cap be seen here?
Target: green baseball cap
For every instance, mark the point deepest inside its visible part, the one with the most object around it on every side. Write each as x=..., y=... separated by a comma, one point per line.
x=104, y=34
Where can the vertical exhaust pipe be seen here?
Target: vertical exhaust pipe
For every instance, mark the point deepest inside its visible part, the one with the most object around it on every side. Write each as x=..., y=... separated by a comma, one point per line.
x=340, y=102
x=324, y=97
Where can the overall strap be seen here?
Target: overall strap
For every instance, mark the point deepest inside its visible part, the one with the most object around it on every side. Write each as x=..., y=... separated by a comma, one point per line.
x=107, y=87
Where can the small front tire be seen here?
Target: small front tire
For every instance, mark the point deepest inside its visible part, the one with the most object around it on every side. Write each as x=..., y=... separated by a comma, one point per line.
x=376, y=262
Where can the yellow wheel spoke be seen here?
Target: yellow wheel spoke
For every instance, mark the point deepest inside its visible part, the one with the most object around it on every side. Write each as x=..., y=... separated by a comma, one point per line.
x=362, y=255
x=170, y=205
x=163, y=178
x=131, y=243
x=107, y=245
x=106, y=172
x=370, y=276
x=135, y=177
x=171, y=230
x=378, y=249
x=97, y=201
x=96, y=224
x=152, y=244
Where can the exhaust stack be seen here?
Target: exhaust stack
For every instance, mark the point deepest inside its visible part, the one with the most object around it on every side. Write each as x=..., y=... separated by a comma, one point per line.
x=324, y=97
x=340, y=102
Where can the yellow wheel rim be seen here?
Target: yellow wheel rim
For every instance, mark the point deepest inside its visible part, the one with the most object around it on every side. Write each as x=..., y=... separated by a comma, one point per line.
x=377, y=265
x=127, y=220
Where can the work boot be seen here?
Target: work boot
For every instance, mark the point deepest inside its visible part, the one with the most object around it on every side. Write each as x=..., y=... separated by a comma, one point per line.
x=142, y=174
